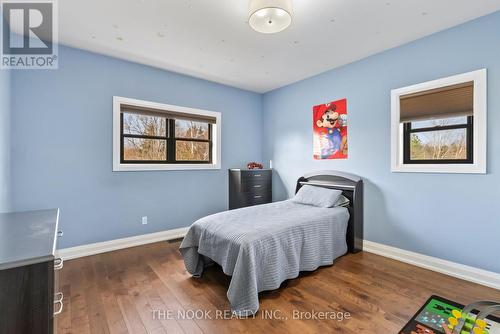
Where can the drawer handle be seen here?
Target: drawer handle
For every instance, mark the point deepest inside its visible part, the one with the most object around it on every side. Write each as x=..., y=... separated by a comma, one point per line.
x=257, y=175
x=257, y=186
x=58, y=297
x=257, y=196
x=58, y=263
x=60, y=233
x=60, y=302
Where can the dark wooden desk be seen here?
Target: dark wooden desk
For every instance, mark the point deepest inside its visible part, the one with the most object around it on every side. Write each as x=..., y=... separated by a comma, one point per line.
x=28, y=299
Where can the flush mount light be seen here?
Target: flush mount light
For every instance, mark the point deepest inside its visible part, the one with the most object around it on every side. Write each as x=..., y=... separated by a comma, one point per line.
x=270, y=16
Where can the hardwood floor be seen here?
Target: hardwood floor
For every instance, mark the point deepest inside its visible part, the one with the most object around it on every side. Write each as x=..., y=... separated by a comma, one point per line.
x=117, y=292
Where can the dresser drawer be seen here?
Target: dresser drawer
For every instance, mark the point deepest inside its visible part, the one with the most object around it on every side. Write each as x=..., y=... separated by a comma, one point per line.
x=256, y=174
x=248, y=199
x=255, y=185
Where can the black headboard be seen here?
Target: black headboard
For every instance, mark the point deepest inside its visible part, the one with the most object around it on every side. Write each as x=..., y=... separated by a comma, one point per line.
x=352, y=188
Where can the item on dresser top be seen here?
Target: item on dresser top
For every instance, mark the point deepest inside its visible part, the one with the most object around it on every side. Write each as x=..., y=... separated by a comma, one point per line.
x=254, y=165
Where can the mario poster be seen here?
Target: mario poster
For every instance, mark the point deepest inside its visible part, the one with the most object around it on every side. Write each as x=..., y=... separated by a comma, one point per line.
x=330, y=130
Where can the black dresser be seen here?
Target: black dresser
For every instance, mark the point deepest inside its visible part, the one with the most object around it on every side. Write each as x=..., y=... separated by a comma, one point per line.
x=249, y=187
x=29, y=295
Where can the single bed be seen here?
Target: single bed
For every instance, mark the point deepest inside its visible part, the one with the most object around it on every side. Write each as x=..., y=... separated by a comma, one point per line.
x=262, y=246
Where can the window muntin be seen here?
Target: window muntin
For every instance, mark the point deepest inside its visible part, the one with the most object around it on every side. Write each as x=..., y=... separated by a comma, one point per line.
x=153, y=138
x=439, y=141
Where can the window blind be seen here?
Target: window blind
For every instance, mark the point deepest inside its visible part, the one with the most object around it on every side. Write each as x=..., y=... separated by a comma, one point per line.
x=167, y=114
x=451, y=101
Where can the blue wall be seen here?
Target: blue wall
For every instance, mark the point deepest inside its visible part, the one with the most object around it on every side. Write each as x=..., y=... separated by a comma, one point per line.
x=62, y=157
x=5, y=179
x=449, y=216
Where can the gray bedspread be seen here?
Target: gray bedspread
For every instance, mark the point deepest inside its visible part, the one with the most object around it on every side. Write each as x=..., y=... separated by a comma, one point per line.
x=264, y=245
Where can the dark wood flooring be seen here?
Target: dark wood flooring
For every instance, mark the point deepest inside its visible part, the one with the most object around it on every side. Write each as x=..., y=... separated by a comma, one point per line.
x=117, y=292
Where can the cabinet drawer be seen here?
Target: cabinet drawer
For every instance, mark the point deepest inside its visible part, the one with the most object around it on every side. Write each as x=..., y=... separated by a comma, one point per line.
x=251, y=185
x=255, y=198
x=256, y=174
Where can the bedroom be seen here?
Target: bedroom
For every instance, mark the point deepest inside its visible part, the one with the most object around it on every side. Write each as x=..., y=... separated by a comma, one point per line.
x=326, y=100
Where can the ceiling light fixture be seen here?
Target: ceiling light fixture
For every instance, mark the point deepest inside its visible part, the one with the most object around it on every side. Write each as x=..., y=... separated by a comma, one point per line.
x=270, y=16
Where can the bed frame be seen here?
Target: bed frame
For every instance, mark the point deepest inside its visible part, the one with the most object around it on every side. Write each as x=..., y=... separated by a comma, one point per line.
x=352, y=188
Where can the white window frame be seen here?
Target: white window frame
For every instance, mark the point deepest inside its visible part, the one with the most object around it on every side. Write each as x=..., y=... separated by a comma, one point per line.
x=128, y=167
x=478, y=166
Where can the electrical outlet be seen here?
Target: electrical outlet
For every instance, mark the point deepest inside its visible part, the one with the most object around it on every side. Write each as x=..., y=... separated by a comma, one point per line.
x=144, y=220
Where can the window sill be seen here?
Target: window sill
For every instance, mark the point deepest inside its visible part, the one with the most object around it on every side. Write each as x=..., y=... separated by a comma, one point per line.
x=439, y=168
x=160, y=167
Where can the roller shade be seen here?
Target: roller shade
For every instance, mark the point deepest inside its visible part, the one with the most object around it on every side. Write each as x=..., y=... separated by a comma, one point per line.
x=167, y=113
x=450, y=101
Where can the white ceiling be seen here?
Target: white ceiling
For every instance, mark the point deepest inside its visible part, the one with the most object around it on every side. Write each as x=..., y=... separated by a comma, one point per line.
x=211, y=39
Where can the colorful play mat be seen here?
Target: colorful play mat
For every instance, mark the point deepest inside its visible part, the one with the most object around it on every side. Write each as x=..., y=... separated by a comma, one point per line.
x=438, y=310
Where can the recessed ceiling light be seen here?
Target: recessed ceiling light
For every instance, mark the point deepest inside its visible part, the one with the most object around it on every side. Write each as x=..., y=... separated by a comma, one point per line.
x=270, y=16
x=119, y=38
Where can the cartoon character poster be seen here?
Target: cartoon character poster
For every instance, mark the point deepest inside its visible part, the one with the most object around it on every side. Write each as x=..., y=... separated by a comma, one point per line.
x=330, y=130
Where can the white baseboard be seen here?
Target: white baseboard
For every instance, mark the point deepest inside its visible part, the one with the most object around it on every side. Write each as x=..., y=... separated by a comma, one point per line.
x=471, y=274
x=111, y=245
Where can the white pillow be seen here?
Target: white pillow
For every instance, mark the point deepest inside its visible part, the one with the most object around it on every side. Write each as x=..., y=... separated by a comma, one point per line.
x=317, y=196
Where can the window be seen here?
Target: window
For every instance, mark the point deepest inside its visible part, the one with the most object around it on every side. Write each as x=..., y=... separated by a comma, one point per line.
x=159, y=139
x=440, y=126
x=439, y=141
x=152, y=136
